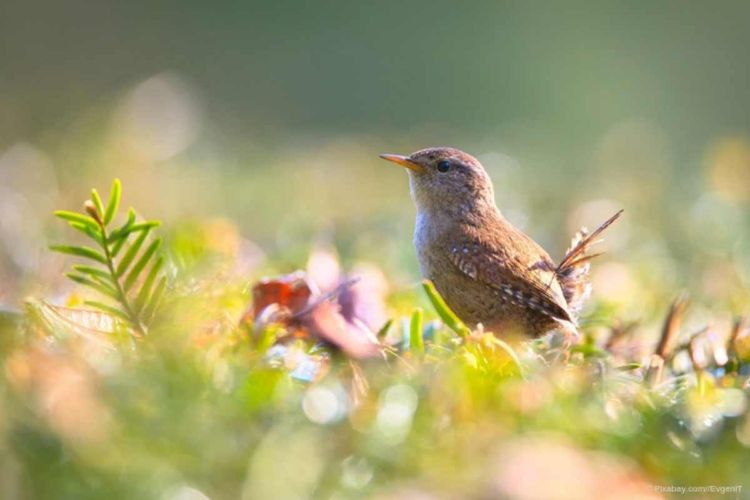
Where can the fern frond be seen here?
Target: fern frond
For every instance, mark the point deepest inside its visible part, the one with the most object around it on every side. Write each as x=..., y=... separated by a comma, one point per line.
x=117, y=278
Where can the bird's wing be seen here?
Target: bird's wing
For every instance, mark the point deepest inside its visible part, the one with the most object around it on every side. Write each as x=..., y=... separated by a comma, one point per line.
x=519, y=270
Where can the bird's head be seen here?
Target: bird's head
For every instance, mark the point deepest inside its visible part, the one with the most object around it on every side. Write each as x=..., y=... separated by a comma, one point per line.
x=446, y=179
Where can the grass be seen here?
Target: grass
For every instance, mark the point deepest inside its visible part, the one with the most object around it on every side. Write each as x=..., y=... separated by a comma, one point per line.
x=291, y=401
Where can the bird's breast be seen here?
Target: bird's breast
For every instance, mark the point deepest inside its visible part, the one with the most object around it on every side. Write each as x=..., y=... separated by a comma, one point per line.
x=432, y=238
x=424, y=236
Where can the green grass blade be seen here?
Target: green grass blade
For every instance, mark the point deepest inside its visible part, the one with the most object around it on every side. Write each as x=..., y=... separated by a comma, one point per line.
x=86, y=252
x=508, y=350
x=131, y=253
x=141, y=264
x=383, y=332
x=114, y=201
x=416, y=341
x=445, y=312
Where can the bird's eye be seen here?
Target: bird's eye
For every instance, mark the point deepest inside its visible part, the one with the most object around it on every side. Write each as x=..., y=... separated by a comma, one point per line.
x=443, y=166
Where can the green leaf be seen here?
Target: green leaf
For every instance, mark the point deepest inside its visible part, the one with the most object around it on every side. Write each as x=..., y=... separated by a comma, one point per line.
x=93, y=233
x=138, y=267
x=85, y=252
x=120, y=233
x=93, y=271
x=149, y=224
x=629, y=367
x=127, y=230
x=114, y=201
x=118, y=246
x=130, y=221
x=96, y=285
x=416, y=341
x=445, y=312
x=108, y=309
x=153, y=303
x=131, y=216
x=97, y=201
x=148, y=283
x=131, y=253
x=84, y=220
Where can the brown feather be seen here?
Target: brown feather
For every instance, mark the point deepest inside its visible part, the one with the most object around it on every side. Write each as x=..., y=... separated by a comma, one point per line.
x=519, y=269
x=586, y=242
x=573, y=271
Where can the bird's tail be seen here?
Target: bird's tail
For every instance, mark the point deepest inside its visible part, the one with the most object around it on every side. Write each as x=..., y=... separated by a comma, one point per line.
x=573, y=271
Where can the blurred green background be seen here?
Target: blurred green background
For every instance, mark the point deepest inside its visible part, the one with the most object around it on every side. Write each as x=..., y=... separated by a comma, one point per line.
x=271, y=115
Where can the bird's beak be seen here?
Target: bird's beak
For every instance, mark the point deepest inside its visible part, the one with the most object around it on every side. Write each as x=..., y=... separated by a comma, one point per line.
x=404, y=161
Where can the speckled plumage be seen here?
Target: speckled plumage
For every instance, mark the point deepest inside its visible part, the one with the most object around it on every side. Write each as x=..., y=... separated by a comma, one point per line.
x=487, y=270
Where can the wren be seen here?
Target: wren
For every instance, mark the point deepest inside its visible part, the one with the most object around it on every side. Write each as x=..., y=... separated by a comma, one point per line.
x=487, y=270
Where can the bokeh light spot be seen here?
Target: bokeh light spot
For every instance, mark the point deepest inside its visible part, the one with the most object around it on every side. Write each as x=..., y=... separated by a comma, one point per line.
x=728, y=169
x=322, y=405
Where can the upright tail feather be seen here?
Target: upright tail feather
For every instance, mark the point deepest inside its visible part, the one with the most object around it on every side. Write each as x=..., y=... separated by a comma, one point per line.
x=573, y=271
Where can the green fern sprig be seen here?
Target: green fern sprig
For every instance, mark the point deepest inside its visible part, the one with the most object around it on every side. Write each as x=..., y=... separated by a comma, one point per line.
x=119, y=267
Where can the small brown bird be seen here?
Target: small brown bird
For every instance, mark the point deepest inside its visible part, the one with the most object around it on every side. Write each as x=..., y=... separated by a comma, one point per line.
x=487, y=270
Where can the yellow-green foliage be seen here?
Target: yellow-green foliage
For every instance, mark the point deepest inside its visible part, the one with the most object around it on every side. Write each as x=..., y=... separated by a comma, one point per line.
x=206, y=404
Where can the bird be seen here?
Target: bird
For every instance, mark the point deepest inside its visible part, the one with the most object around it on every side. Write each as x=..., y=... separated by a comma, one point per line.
x=488, y=271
